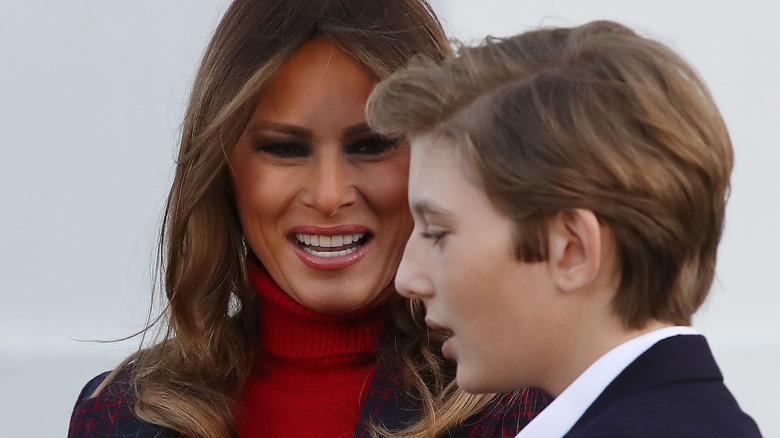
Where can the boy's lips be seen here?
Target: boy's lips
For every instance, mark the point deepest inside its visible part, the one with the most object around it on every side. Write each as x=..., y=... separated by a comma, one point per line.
x=438, y=328
x=433, y=325
x=447, y=334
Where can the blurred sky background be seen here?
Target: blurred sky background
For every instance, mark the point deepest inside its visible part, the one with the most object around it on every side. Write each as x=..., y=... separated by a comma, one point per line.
x=92, y=95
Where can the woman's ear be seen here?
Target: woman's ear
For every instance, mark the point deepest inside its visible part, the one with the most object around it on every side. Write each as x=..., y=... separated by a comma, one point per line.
x=575, y=248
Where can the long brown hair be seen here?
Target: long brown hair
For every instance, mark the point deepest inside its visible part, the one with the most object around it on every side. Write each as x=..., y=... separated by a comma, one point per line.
x=189, y=380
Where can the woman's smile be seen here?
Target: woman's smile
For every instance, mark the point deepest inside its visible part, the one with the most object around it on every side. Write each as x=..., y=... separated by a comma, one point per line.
x=331, y=248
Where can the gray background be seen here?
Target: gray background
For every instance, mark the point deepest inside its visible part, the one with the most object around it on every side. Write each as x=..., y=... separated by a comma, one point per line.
x=91, y=100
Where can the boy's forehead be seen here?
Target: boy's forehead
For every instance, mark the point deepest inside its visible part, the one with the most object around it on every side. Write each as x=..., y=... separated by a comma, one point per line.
x=432, y=158
x=437, y=167
x=435, y=148
x=422, y=155
x=434, y=144
x=429, y=152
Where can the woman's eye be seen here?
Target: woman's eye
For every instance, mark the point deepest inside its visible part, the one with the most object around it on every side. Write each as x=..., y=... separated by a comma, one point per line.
x=284, y=149
x=375, y=145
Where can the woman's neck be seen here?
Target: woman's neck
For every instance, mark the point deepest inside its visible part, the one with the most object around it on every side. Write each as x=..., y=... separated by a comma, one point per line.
x=290, y=330
x=311, y=370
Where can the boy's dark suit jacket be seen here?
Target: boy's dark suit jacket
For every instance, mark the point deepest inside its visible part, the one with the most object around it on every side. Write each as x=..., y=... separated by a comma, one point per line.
x=674, y=389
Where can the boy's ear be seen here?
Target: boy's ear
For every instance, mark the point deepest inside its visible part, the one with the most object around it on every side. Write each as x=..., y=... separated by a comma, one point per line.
x=575, y=248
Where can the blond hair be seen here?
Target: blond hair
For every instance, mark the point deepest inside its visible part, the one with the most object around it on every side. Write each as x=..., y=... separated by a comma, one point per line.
x=593, y=117
x=189, y=380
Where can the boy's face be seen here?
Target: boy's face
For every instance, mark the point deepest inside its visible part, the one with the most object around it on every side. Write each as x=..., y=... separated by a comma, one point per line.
x=459, y=261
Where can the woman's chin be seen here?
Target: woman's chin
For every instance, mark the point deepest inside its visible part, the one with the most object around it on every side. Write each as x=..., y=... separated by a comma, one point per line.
x=340, y=303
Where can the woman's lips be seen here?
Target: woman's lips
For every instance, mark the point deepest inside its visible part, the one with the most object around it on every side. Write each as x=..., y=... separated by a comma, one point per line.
x=336, y=245
x=330, y=248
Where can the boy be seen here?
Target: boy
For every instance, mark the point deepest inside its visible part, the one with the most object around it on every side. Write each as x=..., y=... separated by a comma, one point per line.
x=568, y=188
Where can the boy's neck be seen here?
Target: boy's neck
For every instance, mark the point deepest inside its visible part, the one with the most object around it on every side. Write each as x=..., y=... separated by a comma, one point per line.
x=597, y=336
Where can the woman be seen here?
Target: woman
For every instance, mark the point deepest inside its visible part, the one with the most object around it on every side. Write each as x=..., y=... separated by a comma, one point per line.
x=283, y=229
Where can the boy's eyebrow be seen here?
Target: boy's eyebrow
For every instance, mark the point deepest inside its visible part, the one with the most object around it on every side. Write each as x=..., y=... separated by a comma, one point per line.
x=427, y=208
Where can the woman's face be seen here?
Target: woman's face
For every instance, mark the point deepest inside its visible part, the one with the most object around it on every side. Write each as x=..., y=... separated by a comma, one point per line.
x=322, y=198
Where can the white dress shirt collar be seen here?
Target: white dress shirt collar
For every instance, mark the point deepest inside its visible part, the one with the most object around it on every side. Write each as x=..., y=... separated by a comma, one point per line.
x=561, y=415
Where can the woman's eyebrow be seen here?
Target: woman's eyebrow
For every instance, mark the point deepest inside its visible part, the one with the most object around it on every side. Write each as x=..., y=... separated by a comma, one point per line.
x=282, y=128
x=354, y=130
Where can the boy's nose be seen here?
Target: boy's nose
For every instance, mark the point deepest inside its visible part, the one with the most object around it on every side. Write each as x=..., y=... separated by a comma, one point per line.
x=412, y=280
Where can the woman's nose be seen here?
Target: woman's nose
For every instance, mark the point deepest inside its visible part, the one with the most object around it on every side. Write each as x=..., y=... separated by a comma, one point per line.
x=412, y=279
x=330, y=186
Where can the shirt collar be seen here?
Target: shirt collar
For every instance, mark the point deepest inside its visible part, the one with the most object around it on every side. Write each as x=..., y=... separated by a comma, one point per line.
x=559, y=417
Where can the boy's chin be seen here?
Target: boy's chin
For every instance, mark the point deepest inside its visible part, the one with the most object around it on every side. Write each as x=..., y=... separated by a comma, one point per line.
x=478, y=383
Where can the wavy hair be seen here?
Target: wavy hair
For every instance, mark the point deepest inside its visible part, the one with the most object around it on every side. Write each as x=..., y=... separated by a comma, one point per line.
x=189, y=379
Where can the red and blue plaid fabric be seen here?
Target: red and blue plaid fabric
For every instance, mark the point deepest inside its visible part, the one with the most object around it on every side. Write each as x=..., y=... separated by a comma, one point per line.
x=390, y=405
x=110, y=414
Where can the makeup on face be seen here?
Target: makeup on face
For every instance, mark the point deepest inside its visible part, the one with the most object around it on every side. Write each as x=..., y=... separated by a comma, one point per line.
x=321, y=197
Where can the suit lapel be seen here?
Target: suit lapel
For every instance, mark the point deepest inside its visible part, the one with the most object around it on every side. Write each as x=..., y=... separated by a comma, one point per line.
x=677, y=359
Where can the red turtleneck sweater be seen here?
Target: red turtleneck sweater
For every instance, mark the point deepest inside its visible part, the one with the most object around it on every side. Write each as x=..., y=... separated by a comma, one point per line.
x=313, y=370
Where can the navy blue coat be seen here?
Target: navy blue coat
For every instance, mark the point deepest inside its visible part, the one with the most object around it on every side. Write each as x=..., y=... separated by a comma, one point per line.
x=675, y=389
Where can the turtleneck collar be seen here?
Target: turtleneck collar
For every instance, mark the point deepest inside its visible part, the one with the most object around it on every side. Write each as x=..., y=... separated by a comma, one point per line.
x=291, y=331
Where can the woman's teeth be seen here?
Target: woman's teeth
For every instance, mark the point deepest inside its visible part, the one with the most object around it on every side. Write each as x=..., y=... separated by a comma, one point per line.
x=334, y=241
